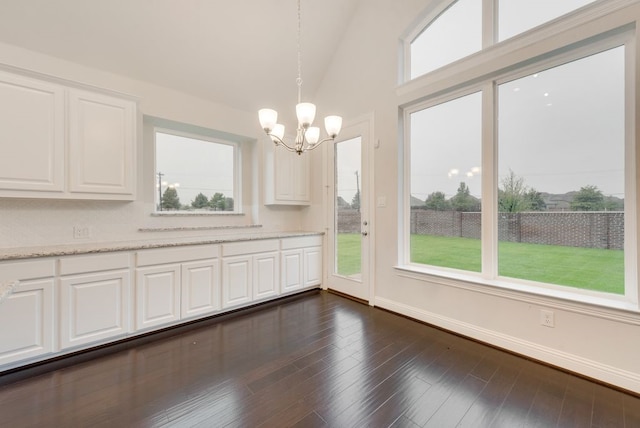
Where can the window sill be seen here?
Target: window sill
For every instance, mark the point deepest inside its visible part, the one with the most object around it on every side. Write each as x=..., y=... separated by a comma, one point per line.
x=616, y=308
x=194, y=213
x=196, y=228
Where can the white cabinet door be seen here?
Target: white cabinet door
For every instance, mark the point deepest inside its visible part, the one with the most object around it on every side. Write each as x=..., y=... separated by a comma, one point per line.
x=266, y=271
x=236, y=281
x=291, y=270
x=312, y=266
x=101, y=144
x=157, y=295
x=200, y=288
x=284, y=185
x=286, y=177
x=27, y=320
x=32, y=135
x=301, y=180
x=93, y=307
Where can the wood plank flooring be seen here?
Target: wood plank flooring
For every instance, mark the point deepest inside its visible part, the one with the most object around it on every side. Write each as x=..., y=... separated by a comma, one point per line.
x=314, y=360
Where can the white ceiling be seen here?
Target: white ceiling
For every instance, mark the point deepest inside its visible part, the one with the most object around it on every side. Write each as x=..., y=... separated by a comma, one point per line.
x=238, y=52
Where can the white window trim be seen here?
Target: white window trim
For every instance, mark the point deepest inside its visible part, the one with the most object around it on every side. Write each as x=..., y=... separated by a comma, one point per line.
x=588, y=30
x=237, y=173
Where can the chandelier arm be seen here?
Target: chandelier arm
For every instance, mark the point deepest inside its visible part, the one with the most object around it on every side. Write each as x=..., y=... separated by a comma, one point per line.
x=313, y=146
x=281, y=142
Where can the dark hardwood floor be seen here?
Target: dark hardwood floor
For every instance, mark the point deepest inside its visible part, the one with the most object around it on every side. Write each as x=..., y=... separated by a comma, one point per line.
x=314, y=360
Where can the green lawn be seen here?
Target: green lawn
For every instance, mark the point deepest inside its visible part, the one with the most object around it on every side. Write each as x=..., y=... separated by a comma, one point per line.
x=588, y=268
x=349, y=253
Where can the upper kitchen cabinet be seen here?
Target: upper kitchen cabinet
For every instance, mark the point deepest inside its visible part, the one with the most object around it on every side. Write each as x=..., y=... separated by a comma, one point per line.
x=286, y=177
x=63, y=142
x=32, y=136
x=101, y=144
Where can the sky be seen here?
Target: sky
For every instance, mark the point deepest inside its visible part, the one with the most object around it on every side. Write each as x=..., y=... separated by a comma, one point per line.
x=559, y=129
x=195, y=165
x=347, y=165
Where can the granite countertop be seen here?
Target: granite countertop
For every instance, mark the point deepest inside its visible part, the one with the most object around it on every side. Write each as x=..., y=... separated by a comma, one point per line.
x=6, y=288
x=105, y=247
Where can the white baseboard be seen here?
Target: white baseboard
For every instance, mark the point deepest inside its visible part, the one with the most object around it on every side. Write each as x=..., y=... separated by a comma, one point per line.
x=571, y=362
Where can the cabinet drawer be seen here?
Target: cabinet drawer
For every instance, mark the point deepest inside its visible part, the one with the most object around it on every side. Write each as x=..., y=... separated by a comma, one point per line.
x=27, y=269
x=94, y=263
x=159, y=256
x=250, y=247
x=301, y=242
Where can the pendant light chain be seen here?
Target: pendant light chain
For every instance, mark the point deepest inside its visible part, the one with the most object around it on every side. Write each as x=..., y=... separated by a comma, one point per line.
x=307, y=136
x=299, y=79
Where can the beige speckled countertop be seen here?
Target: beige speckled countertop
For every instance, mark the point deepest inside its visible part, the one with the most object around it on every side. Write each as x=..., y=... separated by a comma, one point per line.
x=105, y=247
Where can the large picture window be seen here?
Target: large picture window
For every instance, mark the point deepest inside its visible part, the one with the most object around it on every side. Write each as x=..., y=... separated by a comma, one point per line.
x=520, y=171
x=561, y=174
x=446, y=184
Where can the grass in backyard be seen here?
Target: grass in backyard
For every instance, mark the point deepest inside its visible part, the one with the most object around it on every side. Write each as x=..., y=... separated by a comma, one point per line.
x=349, y=254
x=587, y=268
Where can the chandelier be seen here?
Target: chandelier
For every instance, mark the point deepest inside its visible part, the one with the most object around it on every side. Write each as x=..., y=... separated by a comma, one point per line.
x=307, y=136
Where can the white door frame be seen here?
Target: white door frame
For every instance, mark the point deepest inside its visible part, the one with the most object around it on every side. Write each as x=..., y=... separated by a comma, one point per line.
x=361, y=126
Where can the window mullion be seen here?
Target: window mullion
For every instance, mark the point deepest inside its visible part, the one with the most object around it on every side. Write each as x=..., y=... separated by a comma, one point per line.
x=489, y=232
x=489, y=23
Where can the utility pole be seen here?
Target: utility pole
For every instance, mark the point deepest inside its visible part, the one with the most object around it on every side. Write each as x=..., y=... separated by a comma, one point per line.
x=160, y=191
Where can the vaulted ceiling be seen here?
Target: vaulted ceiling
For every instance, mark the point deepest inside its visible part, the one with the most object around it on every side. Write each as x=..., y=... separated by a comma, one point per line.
x=238, y=52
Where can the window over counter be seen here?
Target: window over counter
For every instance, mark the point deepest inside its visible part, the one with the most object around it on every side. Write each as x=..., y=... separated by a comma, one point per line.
x=522, y=175
x=196, y=173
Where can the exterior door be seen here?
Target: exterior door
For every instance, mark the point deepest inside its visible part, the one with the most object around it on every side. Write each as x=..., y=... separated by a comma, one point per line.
x=349, y=220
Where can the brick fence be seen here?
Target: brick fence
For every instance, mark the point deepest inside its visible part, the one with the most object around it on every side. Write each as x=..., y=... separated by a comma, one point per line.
x=595, y=229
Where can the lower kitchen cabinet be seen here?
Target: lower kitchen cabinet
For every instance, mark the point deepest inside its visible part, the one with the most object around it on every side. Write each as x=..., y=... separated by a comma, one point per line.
x=292, y=274
x=27, y=320
x=157, y=295
x=68, y=303
x=200, y=288
x=301, y=263
x=175, y=284
x=312, y=266
x=266, y=273
x=93, y=307
x=94, y=298
x=250, y=272
x=236, y=281
x=28, y=315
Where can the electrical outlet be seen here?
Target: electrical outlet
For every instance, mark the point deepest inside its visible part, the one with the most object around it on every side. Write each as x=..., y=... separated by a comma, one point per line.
x=81, y=232
x=546, y=318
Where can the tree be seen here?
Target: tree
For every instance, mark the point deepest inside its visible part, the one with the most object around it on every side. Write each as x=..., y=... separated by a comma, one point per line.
x=341, y=203
x=462, y=200
x=228, y=204
x=355, y=202
x=217, y=202
x=437, y=201
x=535, y=200
x=170, y=199
x=512, y=196
x=201, y=201
x=588, y=198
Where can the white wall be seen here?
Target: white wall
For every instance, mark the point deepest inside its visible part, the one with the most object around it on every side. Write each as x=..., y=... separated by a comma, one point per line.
x=363, y=78
x=31, y=222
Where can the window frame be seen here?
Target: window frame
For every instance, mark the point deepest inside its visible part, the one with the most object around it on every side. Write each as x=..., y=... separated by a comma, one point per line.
x=580, y=37
x=237, y=173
